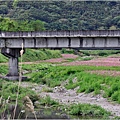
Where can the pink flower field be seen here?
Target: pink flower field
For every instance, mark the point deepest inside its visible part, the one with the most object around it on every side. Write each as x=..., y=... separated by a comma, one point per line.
x=109, y=61
x=97, y=62
x=63, y=59
x=105, y=72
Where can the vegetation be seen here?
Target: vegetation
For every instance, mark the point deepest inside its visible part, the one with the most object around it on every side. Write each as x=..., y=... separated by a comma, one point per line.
x=88, y=110
x=61, y=15
x=7, y=24
x=10, y=89
x=35, y=55
x=87, y=82
x=99, y=52
x=8, y=94
x=54, y=75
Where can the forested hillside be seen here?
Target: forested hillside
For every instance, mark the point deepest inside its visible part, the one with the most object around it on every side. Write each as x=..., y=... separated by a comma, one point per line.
x=63, y=15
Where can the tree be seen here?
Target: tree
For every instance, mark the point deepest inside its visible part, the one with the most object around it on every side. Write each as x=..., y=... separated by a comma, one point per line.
x=36, y=25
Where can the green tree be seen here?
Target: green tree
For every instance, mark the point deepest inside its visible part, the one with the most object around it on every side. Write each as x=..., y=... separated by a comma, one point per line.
x=36, y=25
x=7, y=24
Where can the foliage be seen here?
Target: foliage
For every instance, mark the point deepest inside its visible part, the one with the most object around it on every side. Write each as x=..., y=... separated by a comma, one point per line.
x=48, y=101
x=35, y=55
x=3, y=58
x=10, y=89
x=88, y=110
x=3, y=69
x=7, y=24
x=87, y=82
x=99, y=52
x=65, y=15
x=69, y=51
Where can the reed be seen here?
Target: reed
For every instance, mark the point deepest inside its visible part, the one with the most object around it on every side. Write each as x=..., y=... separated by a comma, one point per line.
x=19, y=83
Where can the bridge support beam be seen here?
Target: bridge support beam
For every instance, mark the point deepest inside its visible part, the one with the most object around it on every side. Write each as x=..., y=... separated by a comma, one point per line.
x=12, y=54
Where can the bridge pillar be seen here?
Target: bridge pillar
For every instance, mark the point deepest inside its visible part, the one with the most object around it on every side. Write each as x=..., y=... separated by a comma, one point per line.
x=13, y=66
x=12, y=54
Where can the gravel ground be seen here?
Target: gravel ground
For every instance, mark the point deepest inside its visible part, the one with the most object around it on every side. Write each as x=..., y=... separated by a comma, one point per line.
x=70, y=96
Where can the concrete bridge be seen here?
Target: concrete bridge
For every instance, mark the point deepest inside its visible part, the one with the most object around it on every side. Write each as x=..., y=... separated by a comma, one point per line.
x=10, y=43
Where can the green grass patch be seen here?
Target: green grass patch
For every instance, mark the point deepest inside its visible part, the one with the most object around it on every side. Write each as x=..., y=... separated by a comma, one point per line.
x=36, y=55
x=8, y=88
x=3, y=69
x=47, y=101
x=3, y=58
x=99, y=52
x=88, y=110
x=87, y=82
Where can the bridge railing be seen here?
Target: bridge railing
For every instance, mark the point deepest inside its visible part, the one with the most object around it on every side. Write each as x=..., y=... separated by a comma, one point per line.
x=87, y=33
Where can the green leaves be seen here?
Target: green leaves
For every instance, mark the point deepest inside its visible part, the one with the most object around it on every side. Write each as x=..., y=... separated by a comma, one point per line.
x=6, y=24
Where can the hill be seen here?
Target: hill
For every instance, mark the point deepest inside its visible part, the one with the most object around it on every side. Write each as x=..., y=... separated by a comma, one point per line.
x=65, y=15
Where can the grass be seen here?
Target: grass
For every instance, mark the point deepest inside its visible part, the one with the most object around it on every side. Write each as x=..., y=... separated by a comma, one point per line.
x=3, y=58
x=55, y=75
x=99, y=52
x=87, y=82
x=35, y=55
x=3, y=69
x=88, y=110
x=9, y=88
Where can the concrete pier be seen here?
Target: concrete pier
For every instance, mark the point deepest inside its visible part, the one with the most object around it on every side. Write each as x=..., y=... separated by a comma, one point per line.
x=12, y=54
x=13, y=66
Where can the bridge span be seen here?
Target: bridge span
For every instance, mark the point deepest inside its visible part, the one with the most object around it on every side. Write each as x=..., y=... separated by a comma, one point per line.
x=11, y=43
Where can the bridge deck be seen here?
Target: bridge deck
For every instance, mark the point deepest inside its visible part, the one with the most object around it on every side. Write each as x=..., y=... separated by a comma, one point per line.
x=99, y=39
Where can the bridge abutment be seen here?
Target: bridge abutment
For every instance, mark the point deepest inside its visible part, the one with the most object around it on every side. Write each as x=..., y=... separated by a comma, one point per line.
x=12, y=54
